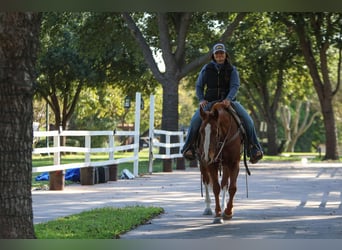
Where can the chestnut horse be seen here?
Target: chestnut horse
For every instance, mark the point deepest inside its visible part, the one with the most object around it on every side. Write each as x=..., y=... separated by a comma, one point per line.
x=219, y=149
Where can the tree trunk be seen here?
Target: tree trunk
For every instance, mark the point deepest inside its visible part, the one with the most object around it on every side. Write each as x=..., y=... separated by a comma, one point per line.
x=320, y=76
x=169, y=116
x=19, y=39
x=330, y=130
x=272, y=145
x=170, y=105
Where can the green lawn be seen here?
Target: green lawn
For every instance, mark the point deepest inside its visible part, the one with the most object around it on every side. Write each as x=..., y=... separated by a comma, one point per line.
x=100, y=223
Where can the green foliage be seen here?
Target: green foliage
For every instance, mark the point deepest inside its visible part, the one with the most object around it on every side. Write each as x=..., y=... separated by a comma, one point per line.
x=261, y=49
x=187, y=105
x=314, y=136
x=99, y=223
x=105, y=36
x=84, y=50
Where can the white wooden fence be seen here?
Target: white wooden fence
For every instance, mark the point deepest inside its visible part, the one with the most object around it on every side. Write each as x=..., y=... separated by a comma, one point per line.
x=57, y=149
x=153, y=133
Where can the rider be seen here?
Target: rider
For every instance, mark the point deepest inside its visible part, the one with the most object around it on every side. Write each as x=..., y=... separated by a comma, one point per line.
x=220, y=81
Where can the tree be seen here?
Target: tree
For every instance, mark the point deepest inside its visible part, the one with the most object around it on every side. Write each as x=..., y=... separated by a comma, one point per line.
x=319, y=36
x=63, y=70
x=87, y=50
x=293, y=124
x=19, y=40
x=264, y=55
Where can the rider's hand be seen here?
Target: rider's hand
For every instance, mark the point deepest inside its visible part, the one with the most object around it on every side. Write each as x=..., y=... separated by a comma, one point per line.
x=226, y=103
x=203, y=103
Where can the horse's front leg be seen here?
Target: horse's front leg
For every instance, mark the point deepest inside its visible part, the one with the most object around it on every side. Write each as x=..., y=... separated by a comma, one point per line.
x=206, y=182
x=207, y=210
x=224, y=187
x=228, y=212
x=223, y=196
x=217, y=189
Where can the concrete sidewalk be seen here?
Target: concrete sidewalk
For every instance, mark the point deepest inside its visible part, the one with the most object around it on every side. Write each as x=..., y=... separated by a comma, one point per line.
x=286, y=201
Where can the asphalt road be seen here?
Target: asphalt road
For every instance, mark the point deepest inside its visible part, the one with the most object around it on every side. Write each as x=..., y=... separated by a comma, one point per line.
x=285, y=201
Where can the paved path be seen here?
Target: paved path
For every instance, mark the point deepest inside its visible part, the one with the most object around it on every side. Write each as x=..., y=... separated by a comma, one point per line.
x=286, y=201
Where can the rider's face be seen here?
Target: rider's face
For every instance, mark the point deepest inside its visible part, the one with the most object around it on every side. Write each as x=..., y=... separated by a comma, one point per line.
x=220, y=56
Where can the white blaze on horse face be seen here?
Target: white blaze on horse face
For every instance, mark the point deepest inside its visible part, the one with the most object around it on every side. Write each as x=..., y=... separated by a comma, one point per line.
x=206, y=142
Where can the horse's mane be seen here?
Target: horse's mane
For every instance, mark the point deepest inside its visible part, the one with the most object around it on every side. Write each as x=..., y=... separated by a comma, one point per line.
x=218, y=107
x=221, y=113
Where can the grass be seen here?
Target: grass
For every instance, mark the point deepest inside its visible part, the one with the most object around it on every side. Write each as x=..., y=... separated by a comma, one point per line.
x=100, y=223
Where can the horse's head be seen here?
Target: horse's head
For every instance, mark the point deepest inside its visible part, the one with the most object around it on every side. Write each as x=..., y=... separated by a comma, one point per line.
x=209, y=135
x=216, y=124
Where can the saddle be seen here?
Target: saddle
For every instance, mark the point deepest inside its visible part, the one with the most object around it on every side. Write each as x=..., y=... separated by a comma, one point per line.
x=232, y=111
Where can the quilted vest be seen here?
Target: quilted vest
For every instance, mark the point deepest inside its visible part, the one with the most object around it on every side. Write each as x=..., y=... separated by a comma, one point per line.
x=217, y=81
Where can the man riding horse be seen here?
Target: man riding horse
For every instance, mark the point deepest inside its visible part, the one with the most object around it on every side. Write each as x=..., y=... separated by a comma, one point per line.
x=219, y=81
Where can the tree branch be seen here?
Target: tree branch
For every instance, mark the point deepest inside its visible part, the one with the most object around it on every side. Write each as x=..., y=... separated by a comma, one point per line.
x=232, y=26
x=143, y=45
x=165, y=40
x=205, y=58
x=182, y=32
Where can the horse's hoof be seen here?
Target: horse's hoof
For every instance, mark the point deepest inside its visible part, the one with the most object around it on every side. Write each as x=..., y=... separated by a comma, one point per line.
x=207, y=211
x=227, y=216
x=218, y=220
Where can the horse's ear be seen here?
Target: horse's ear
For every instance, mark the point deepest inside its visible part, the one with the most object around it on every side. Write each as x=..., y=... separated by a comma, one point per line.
x=215, y=113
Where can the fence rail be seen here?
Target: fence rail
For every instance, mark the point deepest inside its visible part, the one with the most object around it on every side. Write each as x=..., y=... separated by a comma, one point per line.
x=57, y=149
x=167, y=145
x=87, y=149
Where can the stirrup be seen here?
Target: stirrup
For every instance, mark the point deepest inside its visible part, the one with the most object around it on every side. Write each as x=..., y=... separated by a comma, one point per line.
x=256, y=157
x=189, y=154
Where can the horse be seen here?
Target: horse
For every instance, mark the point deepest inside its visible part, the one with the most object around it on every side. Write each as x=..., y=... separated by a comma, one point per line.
x=219, y=148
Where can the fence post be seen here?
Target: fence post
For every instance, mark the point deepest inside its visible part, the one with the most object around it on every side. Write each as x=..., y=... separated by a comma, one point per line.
x=87, y=174
x=167, y=163
x=151, y=136
x=87, y=144
x=57, y=144
x=113, y=168
x=56, y=178
x=136, y=133
x=111, y=146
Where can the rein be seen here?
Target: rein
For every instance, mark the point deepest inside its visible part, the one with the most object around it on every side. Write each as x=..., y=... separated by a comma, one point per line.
x=226, y=142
